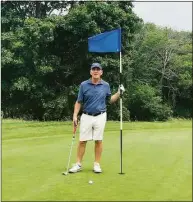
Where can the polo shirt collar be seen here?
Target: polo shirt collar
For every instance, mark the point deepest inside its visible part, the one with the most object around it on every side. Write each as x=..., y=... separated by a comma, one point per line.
x=100, y=82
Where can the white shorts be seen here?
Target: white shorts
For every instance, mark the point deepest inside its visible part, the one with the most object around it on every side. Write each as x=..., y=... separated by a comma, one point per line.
x=92, y=127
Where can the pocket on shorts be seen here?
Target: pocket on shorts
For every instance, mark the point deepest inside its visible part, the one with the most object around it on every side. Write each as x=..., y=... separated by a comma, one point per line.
x=82, y=117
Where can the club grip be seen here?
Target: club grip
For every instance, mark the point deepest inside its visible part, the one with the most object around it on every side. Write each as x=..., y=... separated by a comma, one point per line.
x=74, y=129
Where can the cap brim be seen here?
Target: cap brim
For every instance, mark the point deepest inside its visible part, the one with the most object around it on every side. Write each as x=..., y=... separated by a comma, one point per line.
x=96, y=67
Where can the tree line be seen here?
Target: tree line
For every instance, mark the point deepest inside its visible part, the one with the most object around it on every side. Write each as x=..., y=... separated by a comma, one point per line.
x=44, y=58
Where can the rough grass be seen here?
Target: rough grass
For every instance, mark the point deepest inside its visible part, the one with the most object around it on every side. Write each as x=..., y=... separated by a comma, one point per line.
x=157, y=161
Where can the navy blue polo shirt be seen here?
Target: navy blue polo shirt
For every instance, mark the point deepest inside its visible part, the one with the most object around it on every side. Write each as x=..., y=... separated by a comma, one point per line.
x=93, y=96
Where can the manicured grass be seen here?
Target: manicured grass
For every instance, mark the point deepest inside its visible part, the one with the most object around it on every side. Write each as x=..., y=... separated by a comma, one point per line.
x=157, y=161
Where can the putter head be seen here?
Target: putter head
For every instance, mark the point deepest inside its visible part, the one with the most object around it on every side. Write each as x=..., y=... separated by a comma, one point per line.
x=64, y=173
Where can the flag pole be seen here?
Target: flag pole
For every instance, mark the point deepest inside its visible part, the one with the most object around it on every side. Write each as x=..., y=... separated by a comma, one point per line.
x=121, y=119
x=104, y=43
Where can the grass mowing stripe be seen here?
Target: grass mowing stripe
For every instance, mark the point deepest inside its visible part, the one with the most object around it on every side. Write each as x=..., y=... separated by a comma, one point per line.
x=157, y=162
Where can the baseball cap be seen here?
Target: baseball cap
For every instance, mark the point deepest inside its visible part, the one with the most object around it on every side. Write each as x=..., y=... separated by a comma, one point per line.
x=96, y=65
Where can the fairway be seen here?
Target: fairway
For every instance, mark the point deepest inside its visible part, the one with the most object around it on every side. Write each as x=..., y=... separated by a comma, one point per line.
x=157, y=161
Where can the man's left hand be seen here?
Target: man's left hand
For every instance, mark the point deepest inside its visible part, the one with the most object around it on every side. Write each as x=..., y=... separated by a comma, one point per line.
x=121, y=88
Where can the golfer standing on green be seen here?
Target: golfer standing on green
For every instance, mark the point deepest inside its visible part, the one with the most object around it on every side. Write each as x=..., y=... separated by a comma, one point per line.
x=92, y=96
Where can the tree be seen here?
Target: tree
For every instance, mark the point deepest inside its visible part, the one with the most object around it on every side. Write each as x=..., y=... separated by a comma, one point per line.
x=157, y=60
x=45, y=55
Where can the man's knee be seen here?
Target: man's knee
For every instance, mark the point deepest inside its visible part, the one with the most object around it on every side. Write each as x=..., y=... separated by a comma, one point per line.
x=98, y=142
x=82, y=143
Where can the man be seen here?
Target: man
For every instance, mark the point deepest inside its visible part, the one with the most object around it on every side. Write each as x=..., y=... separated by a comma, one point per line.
x=93, y=94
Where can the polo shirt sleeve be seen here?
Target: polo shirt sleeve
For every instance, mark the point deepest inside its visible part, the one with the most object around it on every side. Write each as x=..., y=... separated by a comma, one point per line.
x=80, y=94
x=108, y=91
x=108, y=94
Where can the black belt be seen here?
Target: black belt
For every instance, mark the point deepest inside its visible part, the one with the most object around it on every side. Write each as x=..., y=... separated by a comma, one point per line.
x=93, y=114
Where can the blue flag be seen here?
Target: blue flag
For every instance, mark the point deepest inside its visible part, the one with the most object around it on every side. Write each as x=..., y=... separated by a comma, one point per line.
x=105, y=42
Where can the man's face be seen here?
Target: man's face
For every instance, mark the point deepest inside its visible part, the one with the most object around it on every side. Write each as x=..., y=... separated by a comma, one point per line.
x=96, y=72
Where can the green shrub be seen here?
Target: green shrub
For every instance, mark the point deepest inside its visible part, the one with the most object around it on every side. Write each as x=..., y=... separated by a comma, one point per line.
x=144, y=104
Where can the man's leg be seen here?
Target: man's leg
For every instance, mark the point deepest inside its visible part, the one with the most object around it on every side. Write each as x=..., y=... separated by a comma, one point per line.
x=98, y=153
x=80, y=151
x=85, y=134
x=99, y=126
x=98, y=150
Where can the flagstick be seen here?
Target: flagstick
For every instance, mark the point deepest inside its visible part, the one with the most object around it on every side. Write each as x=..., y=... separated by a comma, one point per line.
x=121, y=116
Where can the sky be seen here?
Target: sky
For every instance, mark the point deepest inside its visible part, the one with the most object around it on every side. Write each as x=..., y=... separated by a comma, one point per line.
x=176, y=15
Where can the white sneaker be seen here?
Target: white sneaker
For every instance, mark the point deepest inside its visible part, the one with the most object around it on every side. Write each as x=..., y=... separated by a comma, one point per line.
x=97, y=168
x=75, y=168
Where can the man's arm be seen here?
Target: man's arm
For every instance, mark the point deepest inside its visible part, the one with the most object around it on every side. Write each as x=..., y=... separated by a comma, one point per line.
x=116, y=96
x=77, y=107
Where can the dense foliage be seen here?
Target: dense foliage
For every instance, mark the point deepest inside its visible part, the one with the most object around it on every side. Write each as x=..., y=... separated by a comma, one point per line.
x=45, y=58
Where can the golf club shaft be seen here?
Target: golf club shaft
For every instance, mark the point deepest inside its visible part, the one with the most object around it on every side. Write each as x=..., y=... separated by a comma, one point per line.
x=74, y=134
x=70, y=153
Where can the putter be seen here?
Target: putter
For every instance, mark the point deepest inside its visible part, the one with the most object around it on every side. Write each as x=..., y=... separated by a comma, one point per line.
x=73, y=138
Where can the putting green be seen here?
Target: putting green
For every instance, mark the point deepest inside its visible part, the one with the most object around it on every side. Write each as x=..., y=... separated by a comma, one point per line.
x=157, y=161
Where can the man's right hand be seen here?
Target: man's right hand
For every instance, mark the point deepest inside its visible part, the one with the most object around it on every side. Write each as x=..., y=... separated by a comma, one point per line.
x=75, y=121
